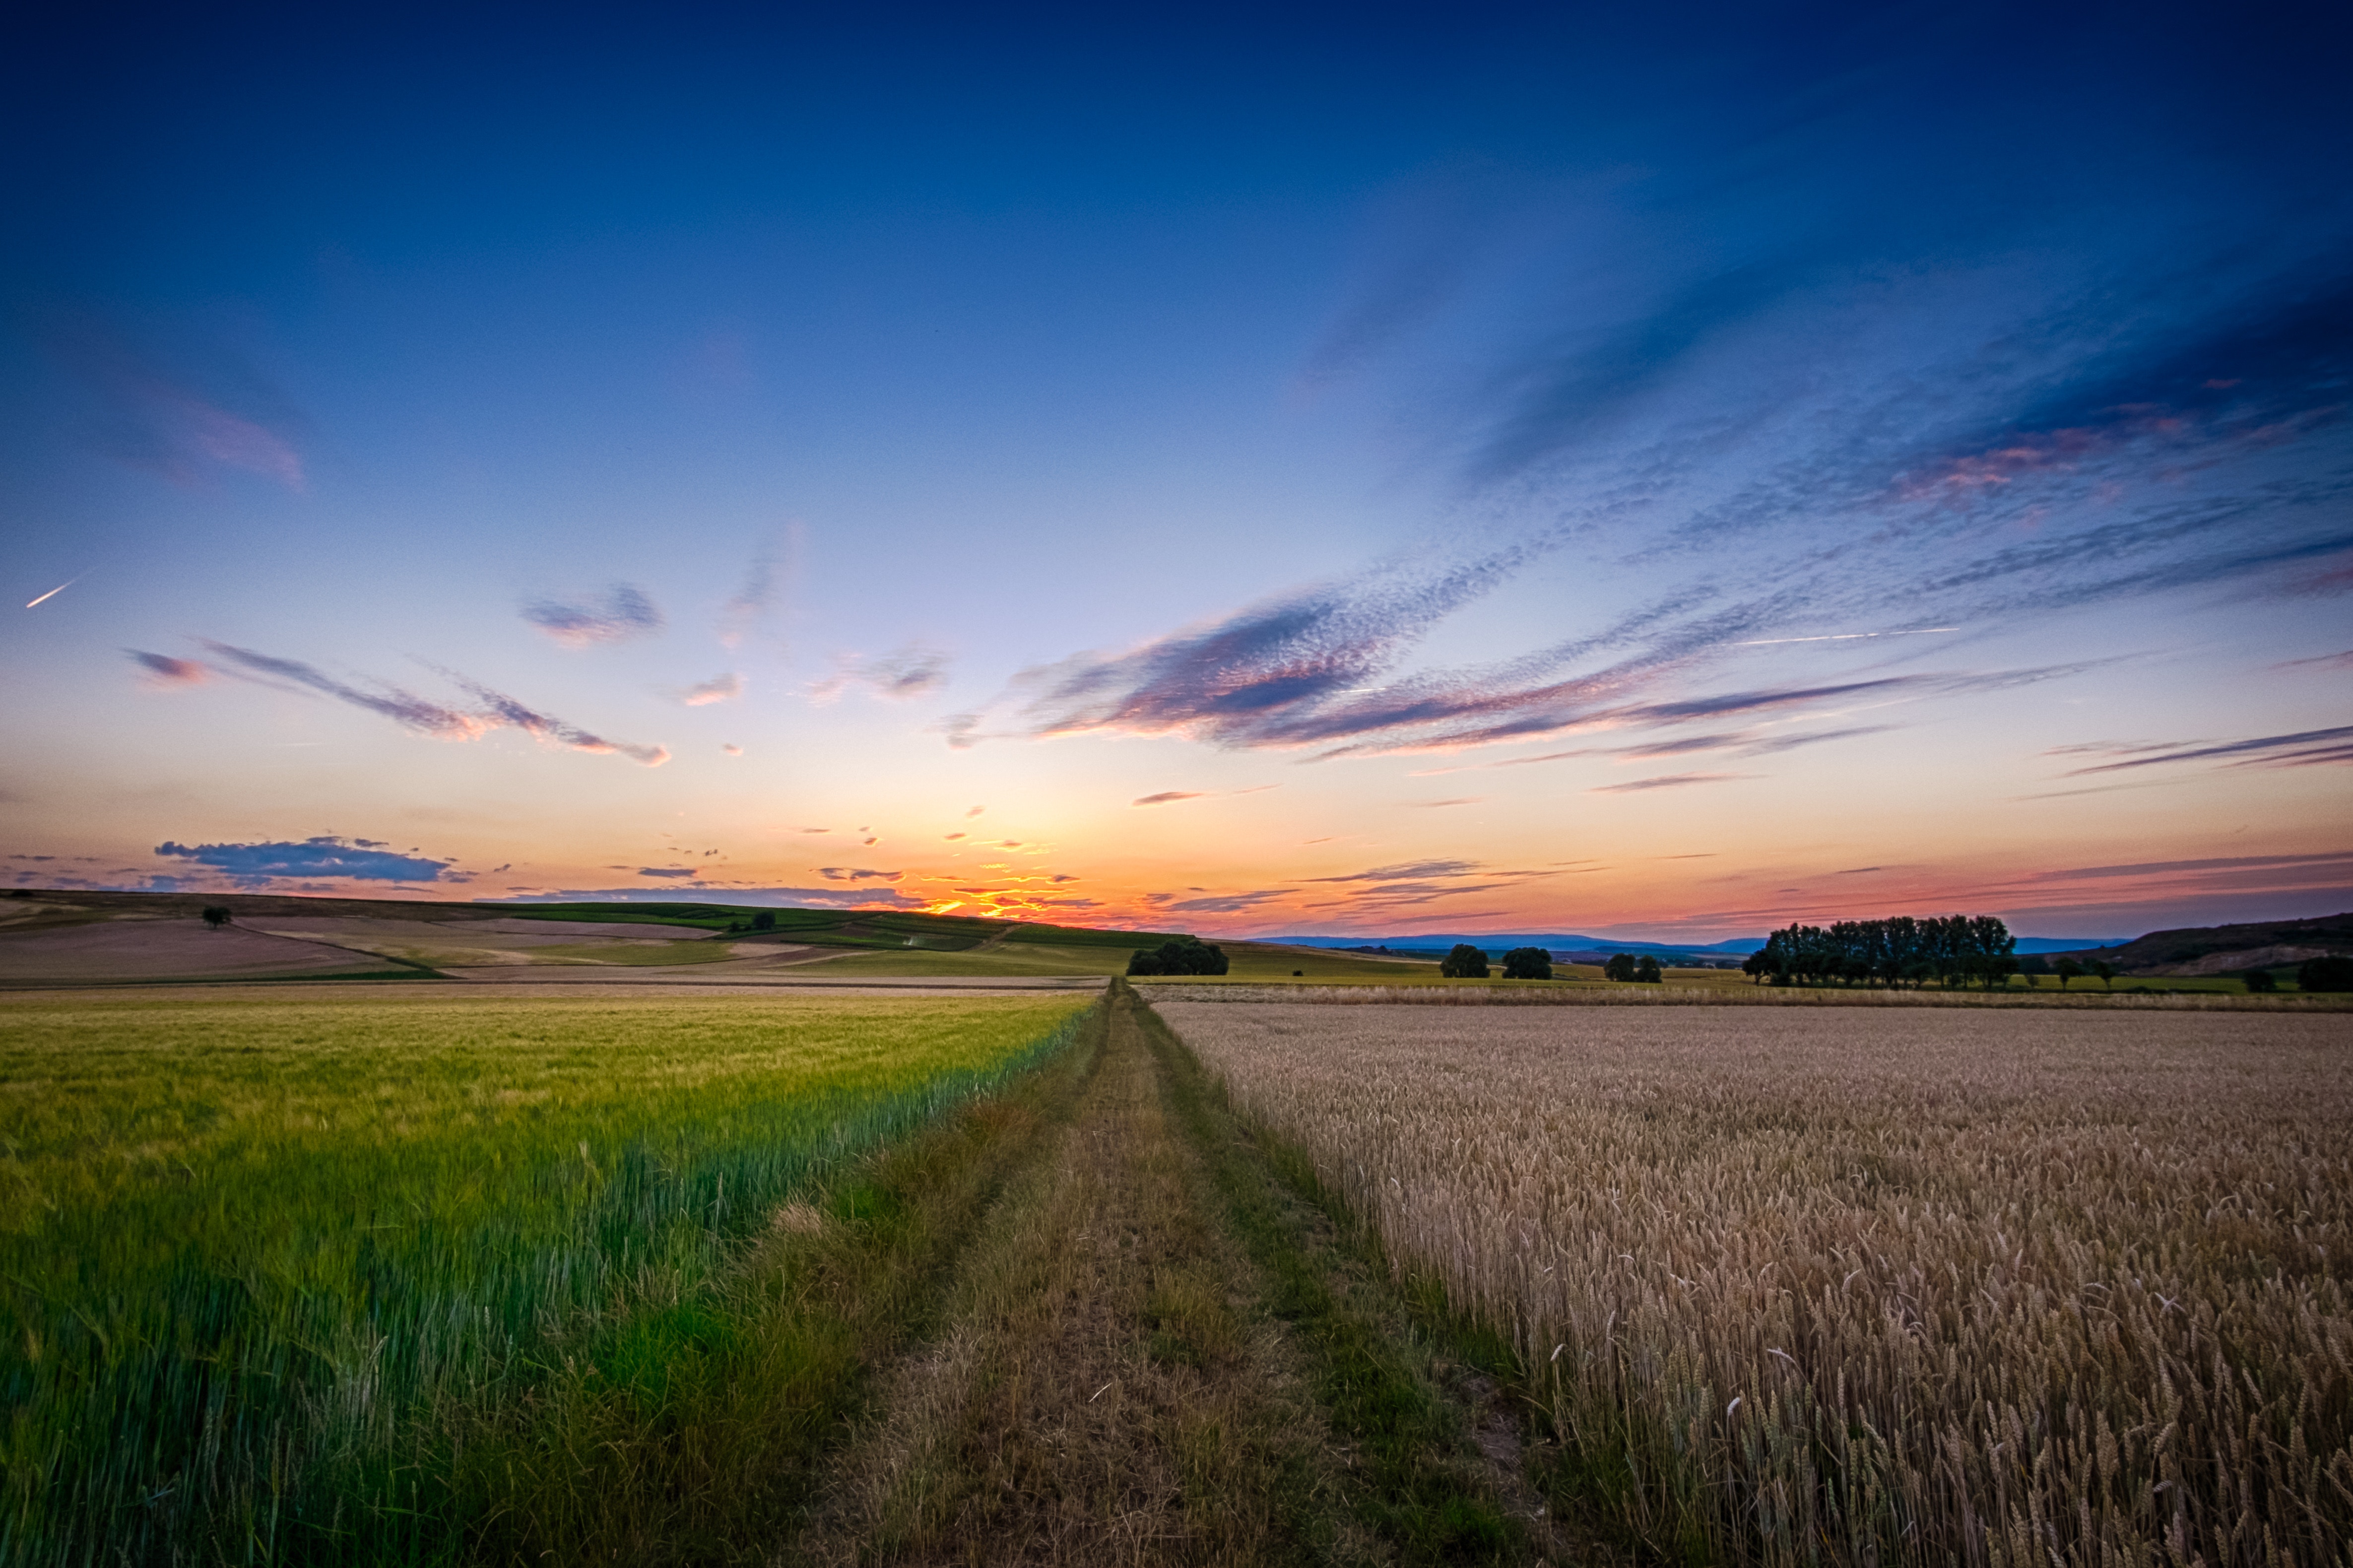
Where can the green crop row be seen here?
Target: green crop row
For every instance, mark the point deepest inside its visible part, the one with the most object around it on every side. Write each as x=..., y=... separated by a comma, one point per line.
x=247, y=1248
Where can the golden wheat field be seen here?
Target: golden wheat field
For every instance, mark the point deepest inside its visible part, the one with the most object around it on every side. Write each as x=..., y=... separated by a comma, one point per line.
x=1845, y=1286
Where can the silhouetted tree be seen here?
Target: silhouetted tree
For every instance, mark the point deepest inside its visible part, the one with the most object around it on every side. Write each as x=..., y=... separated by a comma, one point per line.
x=1463, y=962
x=765, y=921
x=1620, y=967
x=2259, y=980
x=2328, y=974
x=1646, y=971
x=1756, y=967
x=1528, y=963
x=2106, y=971
x=217, y=916
x=1183, y=955
x=2067, y=969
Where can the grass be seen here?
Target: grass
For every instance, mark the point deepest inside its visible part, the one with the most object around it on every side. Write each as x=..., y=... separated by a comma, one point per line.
x=693, y=951
x=698, y=1430
x=1838, y=1285
x=1027, y=959
x=253, y=1247
x=1150, y=1355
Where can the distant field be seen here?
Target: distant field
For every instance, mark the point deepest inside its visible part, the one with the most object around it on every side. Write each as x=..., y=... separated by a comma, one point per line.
x=1027, y=958
x=1841, y=1285
x=1248, y=960
x=248, y=1244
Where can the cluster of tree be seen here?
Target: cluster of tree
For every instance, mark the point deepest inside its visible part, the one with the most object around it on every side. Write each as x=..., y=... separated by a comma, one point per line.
x=2067, y=969
x=1463, y=962
x=1528, y=963
x=1949, y=949
x=2328, y=974
x=1184, y=955
x=1642, y=970
x=218, y=915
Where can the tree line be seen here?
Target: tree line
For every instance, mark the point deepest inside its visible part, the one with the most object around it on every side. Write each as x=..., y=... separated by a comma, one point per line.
x=1184, y=955
x=1904, y=951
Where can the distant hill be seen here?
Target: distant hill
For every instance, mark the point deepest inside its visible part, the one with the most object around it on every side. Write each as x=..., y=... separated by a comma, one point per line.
x=2212, y=950
x=1551, y=941
x=1569, y=941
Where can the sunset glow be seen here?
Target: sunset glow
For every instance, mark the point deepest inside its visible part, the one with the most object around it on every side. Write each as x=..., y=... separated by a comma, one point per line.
x=1544, y=476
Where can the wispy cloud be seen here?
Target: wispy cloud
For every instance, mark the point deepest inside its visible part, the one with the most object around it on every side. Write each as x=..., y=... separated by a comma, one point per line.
x=667, y=872
x=1170, y=796
x=360, y=860
x=765, y=581
x=419, y=715
x=2302, y=749
x=620, y=614
x=718, y=689
x=858, y=874
x=1667, y=781
x=1213, y=903
x=209, y=412
x=744, y=895
x=1407, y=871
x=165, y=671
x=911, y=670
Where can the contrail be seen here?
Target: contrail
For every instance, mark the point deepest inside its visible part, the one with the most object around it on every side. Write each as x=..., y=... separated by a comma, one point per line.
x=52, y=593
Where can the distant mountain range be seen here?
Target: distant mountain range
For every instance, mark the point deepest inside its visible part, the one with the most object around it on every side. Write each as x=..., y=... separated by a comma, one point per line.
x=1570, y=942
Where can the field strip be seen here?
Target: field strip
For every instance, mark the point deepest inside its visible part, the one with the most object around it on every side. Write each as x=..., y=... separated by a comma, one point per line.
x=366, y=1275
x=1150, y=1357
x=1844, y=1286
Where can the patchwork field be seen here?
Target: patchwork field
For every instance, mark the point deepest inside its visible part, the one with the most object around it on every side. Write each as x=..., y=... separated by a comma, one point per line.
x=1851, y=1285
x=258, y=1252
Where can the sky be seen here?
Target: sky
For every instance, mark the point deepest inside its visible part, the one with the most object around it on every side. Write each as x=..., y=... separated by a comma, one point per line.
x=1439, y=469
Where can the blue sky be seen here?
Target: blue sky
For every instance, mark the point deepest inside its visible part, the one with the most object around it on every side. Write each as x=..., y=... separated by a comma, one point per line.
x=1671, y=475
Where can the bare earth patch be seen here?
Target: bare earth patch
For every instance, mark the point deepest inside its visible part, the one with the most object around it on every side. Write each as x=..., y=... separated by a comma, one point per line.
x=163, y=950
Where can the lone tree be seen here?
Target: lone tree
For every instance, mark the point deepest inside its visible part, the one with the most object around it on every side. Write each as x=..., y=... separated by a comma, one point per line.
x=1620, y=967
x=2107, y=973
x=1646, y=971
x=765, y=921
x=2332, y=973
x=217, y=915
x=2259, y=980
x=1463, y=962
x=1182, y=955
x=1528, y=963
x=2067, y=969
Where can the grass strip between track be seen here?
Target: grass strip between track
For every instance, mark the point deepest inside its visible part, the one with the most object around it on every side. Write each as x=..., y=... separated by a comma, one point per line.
x=1418, y=1481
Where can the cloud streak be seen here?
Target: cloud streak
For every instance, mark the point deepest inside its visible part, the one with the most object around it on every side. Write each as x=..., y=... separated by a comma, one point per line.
x=2305, y=748
x=1667, y=781
x=914, y=670
x=419, y=715
x=621, y=613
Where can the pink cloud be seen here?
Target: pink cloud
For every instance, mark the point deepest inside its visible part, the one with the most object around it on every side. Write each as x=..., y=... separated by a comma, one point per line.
x=718, y=689
x=164, y=673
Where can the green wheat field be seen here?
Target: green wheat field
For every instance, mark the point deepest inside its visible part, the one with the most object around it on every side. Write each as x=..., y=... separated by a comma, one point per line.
x=255, y=1253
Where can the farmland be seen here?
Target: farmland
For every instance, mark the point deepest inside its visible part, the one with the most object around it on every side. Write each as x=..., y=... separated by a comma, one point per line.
x=259, y=1251
x=1860, y=1284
